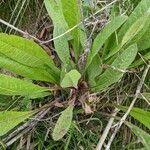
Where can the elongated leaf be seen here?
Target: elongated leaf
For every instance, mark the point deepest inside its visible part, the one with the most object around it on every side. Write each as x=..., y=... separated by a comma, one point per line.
x=103, y=36
x=63, y=124
x=117, y=69
x=134, y=33
x=14, y=86
x=137, y=30
x=114, y=11
x=143, y=148
x=71, y=79
x=73, y=18
x=26, y=52
x=144, y=42
x=139, y=114
x=94, y=70
x=25, y=71
x=142, y=135
x=23, y=50
x=10, y=119
x=140, y=61
x=138, y=12
x=55, y=11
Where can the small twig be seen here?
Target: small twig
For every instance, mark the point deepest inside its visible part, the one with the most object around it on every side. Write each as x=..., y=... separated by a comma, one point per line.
x=18, y=14
x=87, y=47
x=13, y=13
x=117, y=69
x=77, y=25
x=12, y=137
x=27, y=129
x=44, y=42
x=20, y=128
x=142, y=58
x=148, y=102
x=107, y=129
x=22, y=14
x=122, y=120
x=109, y=125
x=20, y=31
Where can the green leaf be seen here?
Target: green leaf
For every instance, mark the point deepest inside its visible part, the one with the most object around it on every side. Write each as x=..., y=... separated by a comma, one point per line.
x=26, y=71
x=143, y=148
x=24, y=51
x=134, y=33
x=117, y=69
x=63, y=124
x=73, y=18
x=94, y=70
x=140, y=61
x=27, y=53
x=101, y=38
x=144, y=42
x=138, y=12
x=139, y=114
x=138, y=28
x=13, y=86
x=54, y=8
x=10, y=119
x=71, y=79
x=142, y=135
x=108, y=46
x=115, y=11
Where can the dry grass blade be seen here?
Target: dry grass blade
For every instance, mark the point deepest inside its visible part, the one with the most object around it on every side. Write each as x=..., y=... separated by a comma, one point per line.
x=26, y=127
x=86, y=96
x=48, y=41
x=122, y=120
